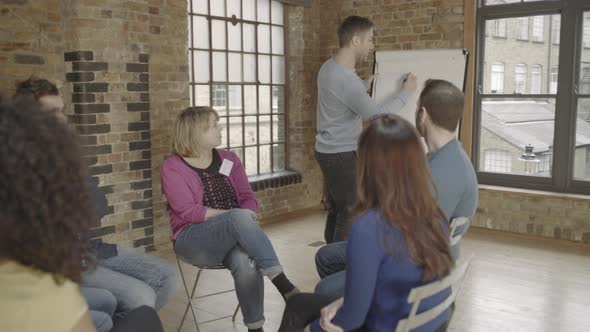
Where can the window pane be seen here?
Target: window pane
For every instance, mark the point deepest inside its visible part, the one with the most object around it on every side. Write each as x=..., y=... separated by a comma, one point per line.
x=219, y=67
x=278, y=99
x=265, y=159
x=539, y=28
x=497, y=77
x=219, y=98
x=218, y=34
x=234, y=36
x=201, y=6
x=536, y=78
x=498, y=27
x=235, y=132
x=584, y=83
x=278, y=157
x=203, y=93
x=277, y=40
x=251, y=132
x=582, y=150
x=251, y=161
x=223, y=124
x=218, y=8
x=586, y=31
x=507, y=62
x=264, y=99
x=250, y=99
x=522, y=32
x=263, y=38
x=519, y=78
x=264, y=128
x=517, y=136
x=264, y=69
x=276, y=13
x=249, y=37
x=233, y=8
x=201, y=63
x=263, y=11
x=235, y=67
x=278, y=128
x=555, y=28
x=200, y=35
x=239, y=152
x=249, y=68
x=249, y=9
x=278, y=70
x=235, y=99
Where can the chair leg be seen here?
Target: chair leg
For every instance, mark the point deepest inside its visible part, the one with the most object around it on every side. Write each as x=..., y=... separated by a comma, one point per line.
x=233, y=318
x=189, y=297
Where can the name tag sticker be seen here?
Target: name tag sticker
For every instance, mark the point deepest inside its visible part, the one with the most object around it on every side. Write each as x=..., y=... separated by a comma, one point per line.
x=226, y=167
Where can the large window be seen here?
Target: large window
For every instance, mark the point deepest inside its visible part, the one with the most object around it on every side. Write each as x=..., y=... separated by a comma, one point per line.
x=532, y=99
x=237, y=66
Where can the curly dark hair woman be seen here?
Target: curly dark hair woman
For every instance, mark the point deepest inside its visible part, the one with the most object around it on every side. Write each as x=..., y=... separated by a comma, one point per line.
x=45, y=209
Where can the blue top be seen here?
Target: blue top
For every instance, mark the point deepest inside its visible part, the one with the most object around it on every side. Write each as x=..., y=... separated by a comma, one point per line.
x=377, y=281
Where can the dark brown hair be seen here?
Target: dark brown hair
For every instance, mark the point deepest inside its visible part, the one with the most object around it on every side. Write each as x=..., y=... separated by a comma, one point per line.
x=443, y=102
x=351, y=26
x=45, y=209
x=38, y=87
x=393, y=178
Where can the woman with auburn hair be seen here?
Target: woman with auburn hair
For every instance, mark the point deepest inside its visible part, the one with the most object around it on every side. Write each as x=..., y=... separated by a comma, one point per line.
x=398, y=240
x=213, y=212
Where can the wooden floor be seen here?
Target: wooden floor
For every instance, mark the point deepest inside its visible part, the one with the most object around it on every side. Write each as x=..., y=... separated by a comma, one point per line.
x=515, y=283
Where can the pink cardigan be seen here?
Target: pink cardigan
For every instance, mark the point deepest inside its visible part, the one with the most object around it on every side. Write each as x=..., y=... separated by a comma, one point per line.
x=184, y=190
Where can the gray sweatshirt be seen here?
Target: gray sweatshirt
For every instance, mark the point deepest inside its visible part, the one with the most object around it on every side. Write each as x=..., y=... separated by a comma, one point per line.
x=343, y=104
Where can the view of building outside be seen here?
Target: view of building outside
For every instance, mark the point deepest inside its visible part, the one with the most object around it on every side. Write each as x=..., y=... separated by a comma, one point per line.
x=521, y=57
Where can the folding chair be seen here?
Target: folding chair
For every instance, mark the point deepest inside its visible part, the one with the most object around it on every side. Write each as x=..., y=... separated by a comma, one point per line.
x=453, y=280
x=191, y=296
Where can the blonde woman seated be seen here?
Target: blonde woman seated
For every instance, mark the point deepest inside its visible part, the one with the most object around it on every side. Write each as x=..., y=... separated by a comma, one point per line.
x=213, y=212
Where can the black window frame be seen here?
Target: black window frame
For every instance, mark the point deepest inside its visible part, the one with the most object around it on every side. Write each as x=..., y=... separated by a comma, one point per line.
x=281, y=114
x=570, y=47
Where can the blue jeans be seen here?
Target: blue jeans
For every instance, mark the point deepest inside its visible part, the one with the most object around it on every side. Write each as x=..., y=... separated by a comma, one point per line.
x=330, y=262
x=235, y=240
x=339, y=171
x=101, y=305
x=135, y=279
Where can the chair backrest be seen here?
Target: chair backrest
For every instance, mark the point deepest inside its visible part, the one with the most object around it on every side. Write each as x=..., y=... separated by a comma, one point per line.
x=453, y=280
x=459, y=226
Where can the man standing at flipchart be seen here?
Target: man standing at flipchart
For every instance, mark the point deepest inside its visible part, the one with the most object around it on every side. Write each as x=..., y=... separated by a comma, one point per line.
x=343, y=103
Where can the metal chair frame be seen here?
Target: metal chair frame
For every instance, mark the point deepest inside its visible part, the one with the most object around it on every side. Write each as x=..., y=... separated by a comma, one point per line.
x=192, y=297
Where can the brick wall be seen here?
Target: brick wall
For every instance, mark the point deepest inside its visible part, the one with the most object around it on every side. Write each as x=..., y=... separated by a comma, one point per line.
x=31, y=41
x=543, y=215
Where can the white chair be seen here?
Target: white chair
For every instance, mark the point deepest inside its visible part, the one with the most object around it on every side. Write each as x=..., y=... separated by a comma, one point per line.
x=459, y=227
x=191, y=296
x=453, y=280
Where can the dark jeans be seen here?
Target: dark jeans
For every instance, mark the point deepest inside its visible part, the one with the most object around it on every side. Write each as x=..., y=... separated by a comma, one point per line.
x=142, y=319
x=339, y=171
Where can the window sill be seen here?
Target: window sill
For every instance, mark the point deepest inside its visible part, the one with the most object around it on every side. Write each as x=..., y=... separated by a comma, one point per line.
x=274, y=180
x=541, y=193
